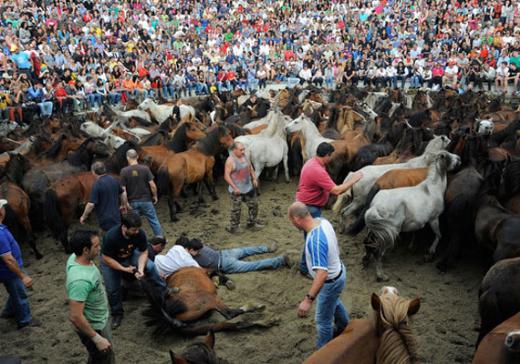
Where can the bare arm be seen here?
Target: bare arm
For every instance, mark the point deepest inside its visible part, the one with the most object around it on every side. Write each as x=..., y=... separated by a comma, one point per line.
x=13, y=266
x=124, y=199
x=80, y=322
x=253, y=175
x=88, y=209
x=153, y=188
x=339, y=189
x=141, y=263
x=228, y=168
x=114, y=264
x=317, y=284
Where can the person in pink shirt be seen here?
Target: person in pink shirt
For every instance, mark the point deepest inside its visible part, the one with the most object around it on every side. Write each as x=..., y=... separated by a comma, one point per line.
x=316, y=186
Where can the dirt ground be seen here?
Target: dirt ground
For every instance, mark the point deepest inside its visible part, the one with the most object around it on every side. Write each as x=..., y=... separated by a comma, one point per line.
x=445, y=325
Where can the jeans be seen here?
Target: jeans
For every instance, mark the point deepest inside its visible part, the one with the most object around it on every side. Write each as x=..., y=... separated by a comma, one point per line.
x=416, y=81
x=331, y=314
x=114, y=98
x=17, y=304
x=94, y=355
x=315, y=212
x=46, y=108
x=113, y=278
x=147, y=209
x=230, y=260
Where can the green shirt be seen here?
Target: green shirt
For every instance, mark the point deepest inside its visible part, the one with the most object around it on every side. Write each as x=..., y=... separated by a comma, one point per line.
x=84, y=284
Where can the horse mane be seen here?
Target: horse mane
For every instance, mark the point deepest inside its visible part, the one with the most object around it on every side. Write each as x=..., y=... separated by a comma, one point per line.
x=210, y=144
x=397, y=343
x=55, y=148
x=200, y=353
x=178, y=141
x=15, y=168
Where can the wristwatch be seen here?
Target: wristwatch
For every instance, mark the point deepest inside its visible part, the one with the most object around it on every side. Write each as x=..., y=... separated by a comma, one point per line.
x=311, y=298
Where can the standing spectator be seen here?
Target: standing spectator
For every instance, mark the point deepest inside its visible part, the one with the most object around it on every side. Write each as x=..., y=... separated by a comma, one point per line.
x=14, y=279
x=401, y=74
x=328, y=273
x=105, y=199
x=125, y=252
x=240, y=175
x=140, y=189
x=316, y=186
x=88, y=305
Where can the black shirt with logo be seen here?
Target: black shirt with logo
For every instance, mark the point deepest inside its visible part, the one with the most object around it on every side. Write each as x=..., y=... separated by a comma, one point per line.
x=117, y=246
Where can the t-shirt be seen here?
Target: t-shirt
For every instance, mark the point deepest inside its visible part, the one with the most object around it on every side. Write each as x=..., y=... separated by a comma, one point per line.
x=136, y=180
x=84, y=284
x=322, y=251
x=315, y=184
x=117, y=246
x=176, y=258
x=8, y=245
x=208, y=258
x=105, y=196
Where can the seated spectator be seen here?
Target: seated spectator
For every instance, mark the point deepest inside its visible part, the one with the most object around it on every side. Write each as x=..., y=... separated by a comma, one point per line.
x=450, y=78
x=502, y=76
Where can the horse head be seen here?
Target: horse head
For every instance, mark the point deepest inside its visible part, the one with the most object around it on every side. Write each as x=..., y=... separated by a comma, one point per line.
x=201, y=352
x=146, y=104
x=297, y=124
x=447, y=161
x=484, y=126
x=512, y=341
x=97, y=147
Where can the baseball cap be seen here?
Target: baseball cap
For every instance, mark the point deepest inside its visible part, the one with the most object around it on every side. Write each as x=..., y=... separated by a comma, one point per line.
x=3, y=203
x=324, y=149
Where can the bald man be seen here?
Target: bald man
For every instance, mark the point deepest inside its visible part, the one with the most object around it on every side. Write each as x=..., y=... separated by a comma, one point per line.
x=327, y=271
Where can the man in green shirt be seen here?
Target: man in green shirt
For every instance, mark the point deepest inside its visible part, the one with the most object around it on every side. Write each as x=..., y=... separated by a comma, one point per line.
x=88, y=304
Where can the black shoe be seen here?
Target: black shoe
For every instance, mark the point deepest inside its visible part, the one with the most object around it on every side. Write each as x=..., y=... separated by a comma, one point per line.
x=32, y=323
x=116, y=321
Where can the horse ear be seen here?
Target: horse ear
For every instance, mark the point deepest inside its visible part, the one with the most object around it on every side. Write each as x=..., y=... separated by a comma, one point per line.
x=413, y=306
x=209, y=340
x=172, y=357
x=376, y=302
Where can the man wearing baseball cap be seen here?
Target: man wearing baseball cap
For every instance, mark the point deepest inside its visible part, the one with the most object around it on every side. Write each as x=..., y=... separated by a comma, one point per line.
x=13, y=277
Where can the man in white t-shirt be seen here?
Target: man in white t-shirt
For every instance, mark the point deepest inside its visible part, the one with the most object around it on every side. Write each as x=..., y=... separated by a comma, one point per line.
x=177, y=257
x=328, y=273
x=450, y=75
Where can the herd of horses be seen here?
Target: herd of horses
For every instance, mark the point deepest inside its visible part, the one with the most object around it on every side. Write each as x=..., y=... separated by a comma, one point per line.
x=442, y=160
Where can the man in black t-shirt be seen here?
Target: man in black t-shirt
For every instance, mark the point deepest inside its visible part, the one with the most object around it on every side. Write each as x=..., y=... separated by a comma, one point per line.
x=104, y=199
x=141, y=191
x=124, y=251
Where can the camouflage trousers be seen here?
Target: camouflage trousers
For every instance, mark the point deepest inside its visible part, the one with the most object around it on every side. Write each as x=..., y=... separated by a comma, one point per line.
x=251, y=201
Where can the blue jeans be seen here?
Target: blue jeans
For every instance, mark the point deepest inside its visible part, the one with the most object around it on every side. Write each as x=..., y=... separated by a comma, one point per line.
x=331, y=314
x=45, y=108
x=147, y=209
x=17, y=304
x=315, y=212
x=114, y=98
x=230, y=260
x=113, y=278
x=416, y=81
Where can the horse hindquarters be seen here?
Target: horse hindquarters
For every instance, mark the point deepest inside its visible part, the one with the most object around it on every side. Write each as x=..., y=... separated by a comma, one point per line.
x=507, y=236
x=54, y=218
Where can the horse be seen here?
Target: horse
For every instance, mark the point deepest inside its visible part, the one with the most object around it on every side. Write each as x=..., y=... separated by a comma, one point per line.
x=93, y=130
x=199, y=353
x=501, y=345
x=496, y=229
x=384, y=338
x=499, y=296
x=192, y=166
x=360, y=190
x=310, y=134
x=162, y=112
x=191, y=296
x=407, y=209
x=268, y=148
x=62, y=201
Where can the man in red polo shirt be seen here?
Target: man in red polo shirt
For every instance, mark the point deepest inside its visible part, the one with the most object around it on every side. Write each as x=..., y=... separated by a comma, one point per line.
x=316, y=186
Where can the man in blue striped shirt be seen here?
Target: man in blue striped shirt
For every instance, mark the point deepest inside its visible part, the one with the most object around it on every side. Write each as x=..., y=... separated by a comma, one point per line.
x=327, y=271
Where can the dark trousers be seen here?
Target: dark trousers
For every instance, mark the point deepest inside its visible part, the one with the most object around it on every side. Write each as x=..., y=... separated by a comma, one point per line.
x=94, y=355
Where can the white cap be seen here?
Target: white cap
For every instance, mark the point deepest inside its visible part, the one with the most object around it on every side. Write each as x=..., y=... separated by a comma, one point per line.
x=3, y=203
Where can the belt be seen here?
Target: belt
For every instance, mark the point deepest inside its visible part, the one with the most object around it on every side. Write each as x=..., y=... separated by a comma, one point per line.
x=331, y=280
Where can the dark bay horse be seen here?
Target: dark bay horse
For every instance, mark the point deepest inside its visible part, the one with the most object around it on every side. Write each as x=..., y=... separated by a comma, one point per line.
x=192, y=166
x=192, y=296
x=199, y=353
x=62, y=201
x=384, y=338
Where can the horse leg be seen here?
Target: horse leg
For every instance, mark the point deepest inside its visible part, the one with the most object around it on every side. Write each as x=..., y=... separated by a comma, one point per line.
x=286, y=167
x=30, y=237
x=230, y=313
x=172, y=206
x=228, y=326
x=381, y=276
x=199, y=192
x=434, y=224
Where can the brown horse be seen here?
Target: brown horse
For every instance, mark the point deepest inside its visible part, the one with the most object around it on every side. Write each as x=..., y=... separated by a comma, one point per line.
x=62, y=201
x=199, y=353
x=192, y=166
x=191, y=296
x=384, y=338
x=502, y=345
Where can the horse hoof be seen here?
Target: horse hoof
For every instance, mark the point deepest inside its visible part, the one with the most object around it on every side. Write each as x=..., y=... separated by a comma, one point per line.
x=215, y=198
x=382, y=278
x=428, y=258
x=250, y=307
x=174, y=218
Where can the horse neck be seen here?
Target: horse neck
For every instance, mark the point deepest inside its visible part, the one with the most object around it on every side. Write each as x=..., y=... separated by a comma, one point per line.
x=310, y=131
x=437, y=177
x=81, y=157
x=210, y=144
x=397, y=345
x=179, y=143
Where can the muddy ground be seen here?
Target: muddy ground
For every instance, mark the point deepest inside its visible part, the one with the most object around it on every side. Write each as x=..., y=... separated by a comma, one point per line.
x=445, y=325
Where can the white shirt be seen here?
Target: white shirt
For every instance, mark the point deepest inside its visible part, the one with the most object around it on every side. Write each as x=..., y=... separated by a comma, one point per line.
x=322, y=251
x=176, y=258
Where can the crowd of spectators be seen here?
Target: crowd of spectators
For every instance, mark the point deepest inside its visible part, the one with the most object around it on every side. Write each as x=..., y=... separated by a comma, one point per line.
x=57, y=55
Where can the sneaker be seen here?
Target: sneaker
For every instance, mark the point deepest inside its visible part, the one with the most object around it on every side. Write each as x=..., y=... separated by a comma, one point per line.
x=230, y=285
x=272, y=247
x=116, y=321
x=257, y=224
x=287, y=260
x=32, y=323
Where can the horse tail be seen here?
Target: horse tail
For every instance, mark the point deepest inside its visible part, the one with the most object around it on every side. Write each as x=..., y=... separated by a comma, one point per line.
x=359, y=224
x=53, y=217
x=163, y=181
x=382, y=231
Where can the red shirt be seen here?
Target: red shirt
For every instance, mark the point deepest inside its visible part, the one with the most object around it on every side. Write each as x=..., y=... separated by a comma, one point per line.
x=315, y=184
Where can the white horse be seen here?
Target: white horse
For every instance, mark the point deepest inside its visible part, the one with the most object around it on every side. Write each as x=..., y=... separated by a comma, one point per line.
x=142, y=115
x=263, y=121
x=162, y=112
x=360, y=190
x=484, y=126
x=311, y=135
x=268, y=148
x=94, y=130
x=407, y=209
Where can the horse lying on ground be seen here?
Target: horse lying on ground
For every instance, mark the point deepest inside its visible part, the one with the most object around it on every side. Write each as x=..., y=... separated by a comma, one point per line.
x=502, y=345
x=191, y=296
x=384, y=338
x=199, y=352
x=407, y=209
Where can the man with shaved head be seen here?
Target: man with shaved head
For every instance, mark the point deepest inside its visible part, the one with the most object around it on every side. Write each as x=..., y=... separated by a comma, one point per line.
x=327, y=271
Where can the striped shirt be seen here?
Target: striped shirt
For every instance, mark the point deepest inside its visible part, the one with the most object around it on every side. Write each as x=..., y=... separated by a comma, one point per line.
x=322, y=251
